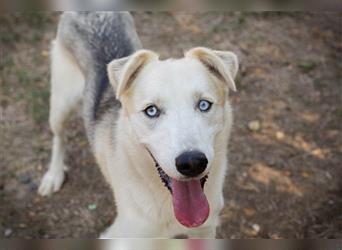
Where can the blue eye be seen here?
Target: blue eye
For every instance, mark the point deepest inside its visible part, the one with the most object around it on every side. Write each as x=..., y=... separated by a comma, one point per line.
x=204, y=105
x=152, y=111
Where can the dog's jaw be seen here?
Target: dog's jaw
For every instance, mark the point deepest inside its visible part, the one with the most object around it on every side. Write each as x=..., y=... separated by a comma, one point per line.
x=167, y=180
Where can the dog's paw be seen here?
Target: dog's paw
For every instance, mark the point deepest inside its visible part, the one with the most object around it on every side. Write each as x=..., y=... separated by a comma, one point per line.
x=51, y=182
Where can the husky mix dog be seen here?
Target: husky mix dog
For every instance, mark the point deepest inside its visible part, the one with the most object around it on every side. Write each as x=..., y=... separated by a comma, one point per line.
x=159, y=129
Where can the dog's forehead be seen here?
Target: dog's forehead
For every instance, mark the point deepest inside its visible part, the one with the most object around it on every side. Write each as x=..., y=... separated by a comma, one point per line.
x=185, y=75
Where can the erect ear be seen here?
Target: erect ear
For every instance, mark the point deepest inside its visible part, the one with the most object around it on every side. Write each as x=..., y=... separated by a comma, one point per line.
x=222, y=64
x=123, y=71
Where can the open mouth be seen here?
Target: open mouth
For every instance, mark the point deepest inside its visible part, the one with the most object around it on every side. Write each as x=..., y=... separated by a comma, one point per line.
x=190, y=204
x=167, y=179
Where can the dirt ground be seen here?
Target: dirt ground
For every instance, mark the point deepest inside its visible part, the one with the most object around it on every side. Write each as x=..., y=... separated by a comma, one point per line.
x=285, y=178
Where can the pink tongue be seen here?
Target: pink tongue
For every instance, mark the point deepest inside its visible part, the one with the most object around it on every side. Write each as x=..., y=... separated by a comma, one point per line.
x=190, y=205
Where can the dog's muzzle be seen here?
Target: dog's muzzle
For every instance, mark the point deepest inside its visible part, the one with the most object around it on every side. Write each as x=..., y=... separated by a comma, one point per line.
x=190, y=205
x=183, y=167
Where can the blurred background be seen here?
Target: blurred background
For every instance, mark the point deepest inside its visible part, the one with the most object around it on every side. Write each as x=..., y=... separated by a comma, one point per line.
x=285, y=177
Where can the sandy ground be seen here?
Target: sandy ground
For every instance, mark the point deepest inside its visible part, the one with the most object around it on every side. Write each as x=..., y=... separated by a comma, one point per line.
x=286, y=146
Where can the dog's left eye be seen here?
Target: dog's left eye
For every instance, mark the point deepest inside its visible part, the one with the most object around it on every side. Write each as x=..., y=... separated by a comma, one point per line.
x=152, y=111
x=204, y=105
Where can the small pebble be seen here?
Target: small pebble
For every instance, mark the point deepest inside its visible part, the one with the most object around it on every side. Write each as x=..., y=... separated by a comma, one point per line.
x=40, y=167
x=328, y=175
x=22, y=225
x=280, y=135
x=256, y=228
x=92, y=206
x=305, y=174
x=8, y=232
x=254, y=125
x=45, y=53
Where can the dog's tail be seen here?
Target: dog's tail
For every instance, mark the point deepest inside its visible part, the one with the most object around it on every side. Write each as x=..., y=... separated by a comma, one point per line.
x=96, y=38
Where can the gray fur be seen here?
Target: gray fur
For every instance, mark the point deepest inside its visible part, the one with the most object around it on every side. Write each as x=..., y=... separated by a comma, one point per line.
x=95, y=39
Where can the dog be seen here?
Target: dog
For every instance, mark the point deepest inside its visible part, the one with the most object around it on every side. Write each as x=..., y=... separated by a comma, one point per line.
x=159, y=129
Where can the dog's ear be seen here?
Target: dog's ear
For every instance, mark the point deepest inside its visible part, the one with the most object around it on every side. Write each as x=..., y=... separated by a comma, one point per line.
x=123, y=71
x=222, y=64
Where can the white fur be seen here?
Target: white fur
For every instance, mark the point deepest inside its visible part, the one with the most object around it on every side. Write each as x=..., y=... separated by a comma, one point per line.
x=67, y=83
x=176, y=86
x=144, y=205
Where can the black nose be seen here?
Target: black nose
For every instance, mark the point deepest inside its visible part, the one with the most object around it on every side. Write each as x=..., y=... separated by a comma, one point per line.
x=191, y=163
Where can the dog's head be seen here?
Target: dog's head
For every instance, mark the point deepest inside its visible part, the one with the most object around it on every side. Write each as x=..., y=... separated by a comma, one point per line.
x=176, y=109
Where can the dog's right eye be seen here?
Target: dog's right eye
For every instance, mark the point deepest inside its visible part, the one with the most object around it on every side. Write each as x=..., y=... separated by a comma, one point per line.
x=152, y=111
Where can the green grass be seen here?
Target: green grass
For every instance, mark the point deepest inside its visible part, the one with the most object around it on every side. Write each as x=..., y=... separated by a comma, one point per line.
x=34, y=91
x=307, y=66
x=23, y=27
x=38, y=103
x=335, y=121
x=320, y=84
x=338, y=113
x=21, y=82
